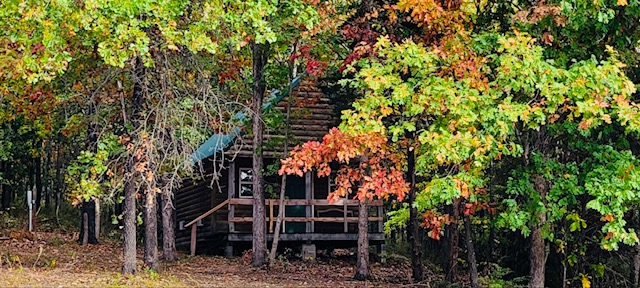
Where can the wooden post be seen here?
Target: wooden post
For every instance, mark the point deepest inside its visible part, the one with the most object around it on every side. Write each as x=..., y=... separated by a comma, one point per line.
x=231, y=190
x=270, y=215
x=194, y=228
x=380, y=223
x=308, y=191
x=345, y=207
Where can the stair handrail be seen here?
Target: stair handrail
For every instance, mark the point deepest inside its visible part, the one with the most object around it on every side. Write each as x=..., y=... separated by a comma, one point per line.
x=214, y=209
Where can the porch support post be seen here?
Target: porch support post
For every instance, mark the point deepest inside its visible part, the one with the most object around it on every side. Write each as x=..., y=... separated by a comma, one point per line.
x=194, y=228
x=308, y=189
x=231, y=189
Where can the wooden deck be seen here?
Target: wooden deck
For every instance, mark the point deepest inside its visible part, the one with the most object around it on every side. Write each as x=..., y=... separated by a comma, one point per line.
x=241, y=237
x=318, y=213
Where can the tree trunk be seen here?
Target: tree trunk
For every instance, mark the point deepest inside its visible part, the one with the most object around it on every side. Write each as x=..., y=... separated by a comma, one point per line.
x=38, y=180
x=492, y=229
x=413, y=228
x=87, y=230
x=636, y=266
x=276, y=232
x=96, y=219
x=89, y=207
x=259, y=227
x=85, y=227
x=46, y=179
x=168, y=233
x=283, y=187
x=129, y=247
x=59, y=180
x=7, y=188
x=151, y=230
x=634, y=275
x=362, y=264
x=471, y=254
x=538, y=255
x=129, y=265
x=452, y=242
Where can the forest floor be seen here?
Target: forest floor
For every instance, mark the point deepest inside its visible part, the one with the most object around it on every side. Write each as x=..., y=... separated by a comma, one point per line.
x=56, y=260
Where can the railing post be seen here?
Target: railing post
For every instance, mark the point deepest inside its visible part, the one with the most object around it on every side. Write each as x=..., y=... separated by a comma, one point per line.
x=194, y=228
x=270, y=215
x=345, y=207
x=381, y=222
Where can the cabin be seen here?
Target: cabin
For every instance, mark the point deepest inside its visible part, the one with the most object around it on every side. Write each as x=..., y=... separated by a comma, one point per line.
x=214, y=214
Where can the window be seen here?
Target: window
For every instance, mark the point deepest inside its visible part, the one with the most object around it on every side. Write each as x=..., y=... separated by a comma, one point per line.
x=246, y=183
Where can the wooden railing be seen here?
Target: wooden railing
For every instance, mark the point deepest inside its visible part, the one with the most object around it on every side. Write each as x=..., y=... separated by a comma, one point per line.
x=311, y=208
x=194, y=229
x=310, y=218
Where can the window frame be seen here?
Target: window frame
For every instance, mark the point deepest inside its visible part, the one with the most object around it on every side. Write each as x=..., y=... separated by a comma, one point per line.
x=245, y=182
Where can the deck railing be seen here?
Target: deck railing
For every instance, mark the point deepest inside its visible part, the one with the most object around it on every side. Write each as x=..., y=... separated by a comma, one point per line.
x=194, y=228
x=313, y=209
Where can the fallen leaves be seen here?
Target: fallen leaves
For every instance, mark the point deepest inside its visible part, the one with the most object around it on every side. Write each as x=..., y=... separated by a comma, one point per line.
x=64, y=263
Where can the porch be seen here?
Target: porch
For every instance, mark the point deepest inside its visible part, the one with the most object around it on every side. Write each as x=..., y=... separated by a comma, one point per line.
x=306, y=220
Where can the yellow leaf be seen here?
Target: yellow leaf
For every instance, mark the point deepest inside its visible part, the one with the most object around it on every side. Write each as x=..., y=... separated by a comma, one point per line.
x=585, y=281
x=622, y=3
x=172, y=47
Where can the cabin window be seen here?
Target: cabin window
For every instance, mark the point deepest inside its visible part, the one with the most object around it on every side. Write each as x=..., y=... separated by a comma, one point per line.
x=246, y=183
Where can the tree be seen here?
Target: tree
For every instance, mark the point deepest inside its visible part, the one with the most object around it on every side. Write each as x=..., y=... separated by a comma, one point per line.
x=264, y=28
x=471, y=119
x=368, y=169
x=101, y=24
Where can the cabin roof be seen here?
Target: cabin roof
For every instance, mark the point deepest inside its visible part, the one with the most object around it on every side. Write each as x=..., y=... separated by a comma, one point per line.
x=312, y=115
x=222, y=141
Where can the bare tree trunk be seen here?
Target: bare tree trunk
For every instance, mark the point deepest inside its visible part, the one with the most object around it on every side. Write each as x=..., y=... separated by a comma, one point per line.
x=452, y=242
x=413, y=229
x=259, y=227
x=168, y=234
x=471, y=254
x=362, y=264
x=538, y=254
x=151, y=230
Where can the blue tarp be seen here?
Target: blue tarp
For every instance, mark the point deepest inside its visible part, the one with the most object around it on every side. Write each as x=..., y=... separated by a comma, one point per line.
x=221, y=141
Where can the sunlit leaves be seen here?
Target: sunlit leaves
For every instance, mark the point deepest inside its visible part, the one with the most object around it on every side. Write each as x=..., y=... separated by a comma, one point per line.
x=34, y=39
x=614, y=185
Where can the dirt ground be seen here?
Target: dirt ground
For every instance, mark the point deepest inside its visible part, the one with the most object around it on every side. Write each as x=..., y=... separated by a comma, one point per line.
x=56, y=260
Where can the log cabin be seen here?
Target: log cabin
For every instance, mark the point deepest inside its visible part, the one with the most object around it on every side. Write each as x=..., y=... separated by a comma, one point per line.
x=214, y=214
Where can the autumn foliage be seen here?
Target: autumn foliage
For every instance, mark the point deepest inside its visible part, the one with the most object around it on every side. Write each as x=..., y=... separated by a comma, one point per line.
x=368, y=167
